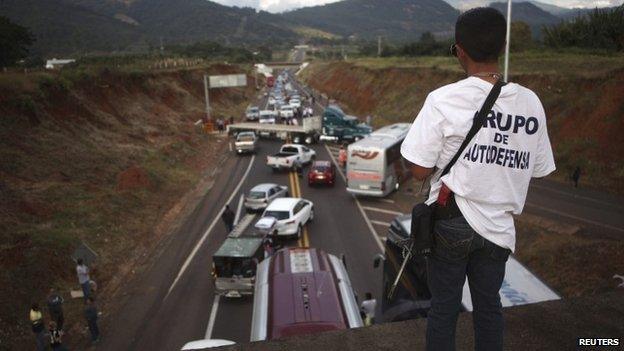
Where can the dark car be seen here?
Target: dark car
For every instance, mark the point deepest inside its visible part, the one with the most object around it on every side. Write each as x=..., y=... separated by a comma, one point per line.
x=322, y=172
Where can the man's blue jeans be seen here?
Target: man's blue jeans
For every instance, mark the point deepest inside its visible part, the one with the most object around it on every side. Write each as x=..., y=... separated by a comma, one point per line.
x=459, y=252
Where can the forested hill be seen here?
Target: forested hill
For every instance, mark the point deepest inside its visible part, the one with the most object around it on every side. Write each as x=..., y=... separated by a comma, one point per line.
x=77, y=26
x=393, y=19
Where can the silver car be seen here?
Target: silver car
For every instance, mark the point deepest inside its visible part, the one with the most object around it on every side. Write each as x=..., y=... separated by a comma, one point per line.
x=260, y=196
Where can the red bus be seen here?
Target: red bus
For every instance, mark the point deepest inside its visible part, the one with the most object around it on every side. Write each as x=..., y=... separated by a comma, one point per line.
x=270, y=81
x=302, y=291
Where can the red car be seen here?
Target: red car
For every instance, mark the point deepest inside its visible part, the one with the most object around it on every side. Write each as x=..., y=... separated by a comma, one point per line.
x=322, y=172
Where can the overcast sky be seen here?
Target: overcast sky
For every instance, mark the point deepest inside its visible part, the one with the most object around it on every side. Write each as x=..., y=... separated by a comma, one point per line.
x=284, y=5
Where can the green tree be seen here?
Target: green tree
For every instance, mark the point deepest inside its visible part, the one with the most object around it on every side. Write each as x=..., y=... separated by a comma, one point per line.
x=601, y=29
x=521, y=38
x=14, y=42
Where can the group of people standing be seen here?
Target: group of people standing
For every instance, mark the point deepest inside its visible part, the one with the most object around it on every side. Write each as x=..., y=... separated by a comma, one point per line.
x=53, y=336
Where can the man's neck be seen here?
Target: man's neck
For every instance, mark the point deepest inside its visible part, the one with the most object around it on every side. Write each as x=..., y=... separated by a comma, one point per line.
x=480, y=70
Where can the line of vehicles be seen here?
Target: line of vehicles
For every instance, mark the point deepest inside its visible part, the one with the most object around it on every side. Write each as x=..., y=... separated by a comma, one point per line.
x=299, y=290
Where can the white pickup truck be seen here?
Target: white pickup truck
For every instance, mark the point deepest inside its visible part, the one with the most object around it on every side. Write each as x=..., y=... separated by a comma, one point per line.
x=291, y=155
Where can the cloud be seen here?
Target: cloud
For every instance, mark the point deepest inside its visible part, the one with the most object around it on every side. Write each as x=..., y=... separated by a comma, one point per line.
x=274, y=5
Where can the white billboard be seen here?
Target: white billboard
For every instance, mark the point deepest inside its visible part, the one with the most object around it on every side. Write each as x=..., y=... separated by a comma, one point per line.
x=228, y=81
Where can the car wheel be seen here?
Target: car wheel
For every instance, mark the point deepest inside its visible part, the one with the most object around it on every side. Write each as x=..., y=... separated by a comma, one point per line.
x=286, y=194
x=299, y=232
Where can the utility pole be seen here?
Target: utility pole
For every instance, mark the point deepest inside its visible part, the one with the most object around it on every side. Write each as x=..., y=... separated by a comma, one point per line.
x=507, y=40
x=208, y=119
x=162, y=47
x=379, y=46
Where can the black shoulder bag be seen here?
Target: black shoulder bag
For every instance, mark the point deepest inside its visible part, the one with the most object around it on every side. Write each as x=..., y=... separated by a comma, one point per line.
x=423, y=214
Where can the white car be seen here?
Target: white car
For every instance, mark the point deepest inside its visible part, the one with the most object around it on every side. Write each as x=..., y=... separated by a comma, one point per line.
x=291, y=213
x=290, y=157
x=261, y=195
x=267, y=116
x=252, y=113
x=295, y=103
x=286, y=111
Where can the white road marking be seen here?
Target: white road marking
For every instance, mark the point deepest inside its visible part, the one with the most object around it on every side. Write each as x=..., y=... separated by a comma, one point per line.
x=381, y=223
x=213, y=317
x=207, y=232
x=382, y=210
x=368, y=222
x=238, y=209
x=546, y=209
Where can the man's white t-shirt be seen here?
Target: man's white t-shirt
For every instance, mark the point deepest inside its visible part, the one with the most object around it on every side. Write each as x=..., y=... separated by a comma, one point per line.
x=491, y=178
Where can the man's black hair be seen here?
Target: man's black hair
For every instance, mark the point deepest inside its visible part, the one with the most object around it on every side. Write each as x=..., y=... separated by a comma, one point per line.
x=481, y=33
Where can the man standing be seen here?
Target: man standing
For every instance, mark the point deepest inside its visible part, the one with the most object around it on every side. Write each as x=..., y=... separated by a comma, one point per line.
x=228, y=218
x=36, y=321
x=474, y=229
x=576, y=176
x=91, y=315
x=55, y=307
x=82, y=271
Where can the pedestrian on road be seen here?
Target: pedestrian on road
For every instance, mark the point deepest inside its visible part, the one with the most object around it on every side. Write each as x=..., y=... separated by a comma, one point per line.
x=56, y=337
x=36, y=322
x=228, y=218
x=368, y=308
x=342, y=156
x=267, y=242
x=91, y=315
x=82, y=271
x=475, y=197
x=576, y=176
x=55, y=307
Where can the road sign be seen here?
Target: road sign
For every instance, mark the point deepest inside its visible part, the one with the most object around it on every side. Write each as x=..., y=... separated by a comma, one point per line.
x=228, y=81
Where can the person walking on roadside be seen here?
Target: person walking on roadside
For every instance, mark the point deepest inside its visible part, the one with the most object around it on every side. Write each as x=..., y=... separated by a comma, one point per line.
x=478, y=182
x=82, y=271
x=56, y=337
x=55, y=307
x=576, y=176
x=368, y=307
x=342, y=156
x=91, y=315
x=36, y=322
x=228, y=218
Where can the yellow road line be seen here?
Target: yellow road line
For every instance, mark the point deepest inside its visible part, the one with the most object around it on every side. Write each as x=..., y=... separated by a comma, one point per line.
x=294, y=187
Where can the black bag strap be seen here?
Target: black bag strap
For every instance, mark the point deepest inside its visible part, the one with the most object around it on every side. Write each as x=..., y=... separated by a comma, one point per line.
x=477, y=123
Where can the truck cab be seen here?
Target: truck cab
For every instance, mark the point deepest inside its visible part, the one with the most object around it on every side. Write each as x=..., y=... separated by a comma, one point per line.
x=338, y=126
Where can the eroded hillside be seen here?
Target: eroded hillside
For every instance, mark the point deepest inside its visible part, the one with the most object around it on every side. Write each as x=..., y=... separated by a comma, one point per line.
x=99, y=156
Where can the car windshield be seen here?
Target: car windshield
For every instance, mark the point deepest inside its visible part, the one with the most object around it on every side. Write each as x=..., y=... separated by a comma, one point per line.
x=246, y=137
x=321, y=168
x=290, y=150
x=226, y=267
x=279, y=215
x=253, y=109
x=286, y=108
x=257, y=194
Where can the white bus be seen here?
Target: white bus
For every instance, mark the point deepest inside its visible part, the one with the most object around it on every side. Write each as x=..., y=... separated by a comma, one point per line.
x=374, y=164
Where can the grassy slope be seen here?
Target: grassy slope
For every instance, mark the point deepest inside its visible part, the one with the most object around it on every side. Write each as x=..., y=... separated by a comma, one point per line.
x=94, y=155
x=583, y=96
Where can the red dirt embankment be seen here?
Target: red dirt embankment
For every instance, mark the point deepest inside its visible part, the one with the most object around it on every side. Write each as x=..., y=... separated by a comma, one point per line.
x=584, y=114
x=102, y=157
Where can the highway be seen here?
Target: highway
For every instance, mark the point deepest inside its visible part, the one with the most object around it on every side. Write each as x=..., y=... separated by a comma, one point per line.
x=172, y=301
